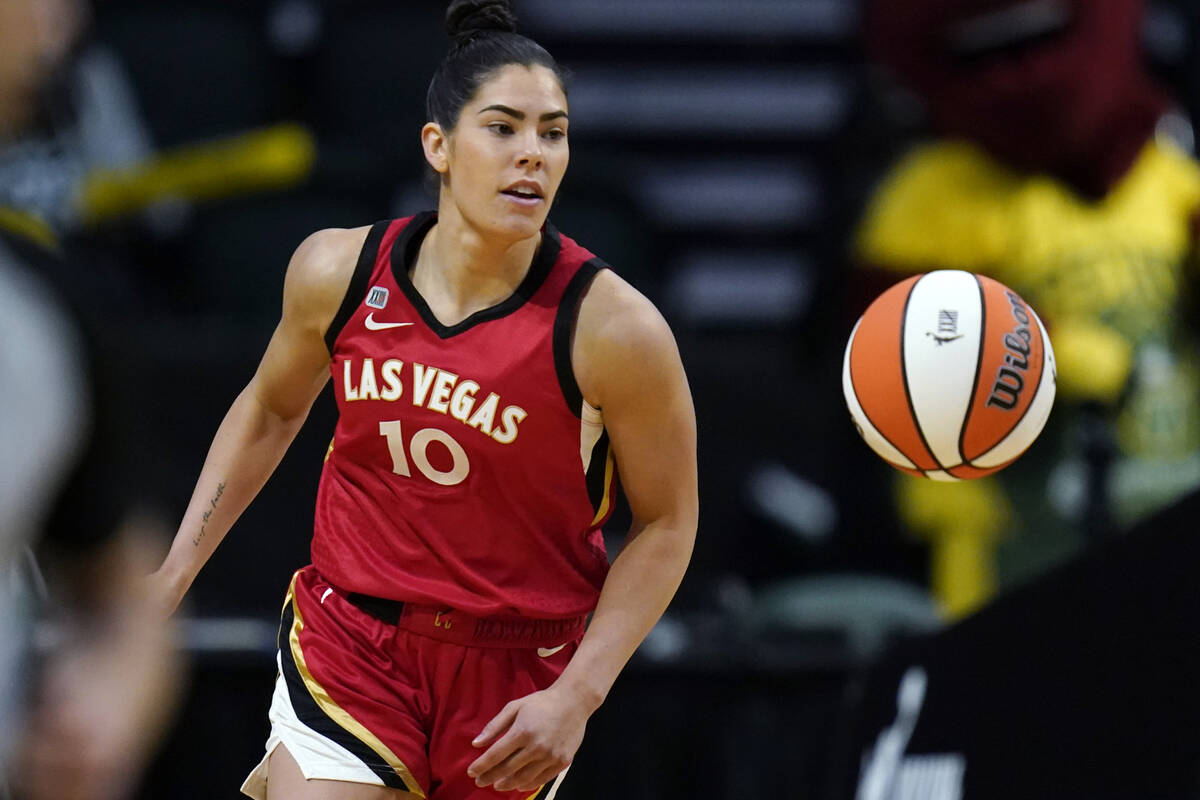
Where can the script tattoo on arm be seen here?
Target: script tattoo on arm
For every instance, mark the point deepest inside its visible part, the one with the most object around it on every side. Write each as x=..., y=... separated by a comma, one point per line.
x=208, y=513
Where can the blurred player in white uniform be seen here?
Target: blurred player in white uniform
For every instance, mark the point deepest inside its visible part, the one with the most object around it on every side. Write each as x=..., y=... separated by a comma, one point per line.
x=79, y=718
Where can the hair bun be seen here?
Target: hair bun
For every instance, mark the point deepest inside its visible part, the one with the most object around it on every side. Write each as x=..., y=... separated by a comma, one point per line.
x=467, y=18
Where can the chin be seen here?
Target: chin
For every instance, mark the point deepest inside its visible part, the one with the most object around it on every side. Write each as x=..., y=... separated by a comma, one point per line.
x=516, y=226
x=503, y=223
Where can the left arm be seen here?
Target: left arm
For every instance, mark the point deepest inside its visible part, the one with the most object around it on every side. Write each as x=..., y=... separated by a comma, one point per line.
x=627, y=364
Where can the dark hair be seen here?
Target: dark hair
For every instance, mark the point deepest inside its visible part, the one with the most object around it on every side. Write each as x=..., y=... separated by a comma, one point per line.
x=484, y=38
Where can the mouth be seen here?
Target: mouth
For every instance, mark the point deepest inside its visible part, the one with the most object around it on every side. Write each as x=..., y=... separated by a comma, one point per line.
x=524, y=192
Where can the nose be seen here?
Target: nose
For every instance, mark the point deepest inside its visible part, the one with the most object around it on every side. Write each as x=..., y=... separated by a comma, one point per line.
x=531, y=152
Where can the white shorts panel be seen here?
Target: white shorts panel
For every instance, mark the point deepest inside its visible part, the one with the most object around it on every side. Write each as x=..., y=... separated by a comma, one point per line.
x=318, y=757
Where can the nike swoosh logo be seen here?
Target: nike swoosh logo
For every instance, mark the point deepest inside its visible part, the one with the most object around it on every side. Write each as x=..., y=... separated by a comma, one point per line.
x=372, y=325
x=546, y=652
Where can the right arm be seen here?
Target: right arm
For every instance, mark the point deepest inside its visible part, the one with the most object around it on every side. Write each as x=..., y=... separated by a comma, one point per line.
x=265, y=417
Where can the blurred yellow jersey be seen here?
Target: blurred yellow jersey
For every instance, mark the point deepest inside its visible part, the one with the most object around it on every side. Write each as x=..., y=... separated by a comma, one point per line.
x=1106, y=275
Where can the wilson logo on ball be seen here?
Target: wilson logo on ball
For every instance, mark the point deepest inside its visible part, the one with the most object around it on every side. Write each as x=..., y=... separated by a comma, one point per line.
x=956, y=412
x=1010, y=380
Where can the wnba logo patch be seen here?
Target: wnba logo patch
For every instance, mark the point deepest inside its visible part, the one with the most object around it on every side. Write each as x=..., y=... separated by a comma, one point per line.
x=947, y=328
x=377, y=297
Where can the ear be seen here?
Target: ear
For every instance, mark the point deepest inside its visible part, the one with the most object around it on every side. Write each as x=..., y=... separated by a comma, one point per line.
x=435, y=143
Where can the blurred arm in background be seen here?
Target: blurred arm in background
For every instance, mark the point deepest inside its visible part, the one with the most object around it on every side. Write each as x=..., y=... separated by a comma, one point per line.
x=89, y=672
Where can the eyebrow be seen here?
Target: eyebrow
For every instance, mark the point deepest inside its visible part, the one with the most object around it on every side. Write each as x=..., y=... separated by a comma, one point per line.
x=512, y=112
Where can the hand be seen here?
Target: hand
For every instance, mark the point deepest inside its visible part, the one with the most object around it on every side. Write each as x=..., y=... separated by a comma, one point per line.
x=106, y=691
x=96, y=719
x=70, y=748
x=532, y=739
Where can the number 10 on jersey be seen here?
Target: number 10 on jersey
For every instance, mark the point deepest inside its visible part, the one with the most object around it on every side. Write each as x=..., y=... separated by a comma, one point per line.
x=418, y=451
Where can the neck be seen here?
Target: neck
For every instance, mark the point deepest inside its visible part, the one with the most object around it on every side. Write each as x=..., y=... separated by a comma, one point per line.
x=461, y=269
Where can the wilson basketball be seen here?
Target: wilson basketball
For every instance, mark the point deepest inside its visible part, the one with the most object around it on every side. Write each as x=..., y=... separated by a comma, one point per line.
x=949, y=375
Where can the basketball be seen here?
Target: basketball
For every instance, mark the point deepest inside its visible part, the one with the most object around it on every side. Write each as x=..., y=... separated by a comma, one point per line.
x=949, y=375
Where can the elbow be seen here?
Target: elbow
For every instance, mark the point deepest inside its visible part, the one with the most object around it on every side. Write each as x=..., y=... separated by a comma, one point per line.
x=272, y=417
x=674, y=535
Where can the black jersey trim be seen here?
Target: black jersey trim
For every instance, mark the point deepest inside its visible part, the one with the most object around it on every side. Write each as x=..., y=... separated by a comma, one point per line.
x=310, y=713
x=598, y=479
x=404, y=256
x=564, y=327
x=358, y=282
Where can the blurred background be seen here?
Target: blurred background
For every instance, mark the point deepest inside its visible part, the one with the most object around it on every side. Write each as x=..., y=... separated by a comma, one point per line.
x=761, y=169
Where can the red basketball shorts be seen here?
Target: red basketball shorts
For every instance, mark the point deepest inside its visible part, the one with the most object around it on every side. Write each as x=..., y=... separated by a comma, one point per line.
x=374, y=692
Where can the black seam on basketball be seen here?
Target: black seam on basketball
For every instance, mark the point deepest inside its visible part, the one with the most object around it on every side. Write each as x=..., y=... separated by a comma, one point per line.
x=962, y=431
x=1041, y=374
x=363, y=269
x=1000, y=466
x=867, y=417
x=912, y=411
x=950, y=470
x=311, y=714
x=564, y=324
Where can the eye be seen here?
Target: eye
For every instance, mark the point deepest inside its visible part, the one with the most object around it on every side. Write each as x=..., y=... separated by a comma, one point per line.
x=555, y=134
x=502, y=128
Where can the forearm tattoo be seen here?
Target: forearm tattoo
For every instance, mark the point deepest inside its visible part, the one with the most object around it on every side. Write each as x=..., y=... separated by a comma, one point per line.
x=208, y=513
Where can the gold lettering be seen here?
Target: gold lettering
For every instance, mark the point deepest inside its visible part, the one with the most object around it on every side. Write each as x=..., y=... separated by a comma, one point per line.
x=463, y=400
x=367, y=390
x=439, y=400
x=509, y=418
x=351, y=392
x=485, y=415
x=422, y=379
x=391, y=379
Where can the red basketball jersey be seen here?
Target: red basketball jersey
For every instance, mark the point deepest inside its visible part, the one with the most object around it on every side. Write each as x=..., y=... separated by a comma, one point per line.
x=466, y=468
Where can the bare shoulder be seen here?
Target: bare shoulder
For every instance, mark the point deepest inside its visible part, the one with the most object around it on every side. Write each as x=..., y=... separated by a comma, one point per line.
x=613, y=314
x=620, y=335
x=325, y=259
x=320, y=271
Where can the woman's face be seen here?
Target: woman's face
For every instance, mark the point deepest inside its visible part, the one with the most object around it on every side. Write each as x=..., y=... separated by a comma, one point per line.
x=504, y=159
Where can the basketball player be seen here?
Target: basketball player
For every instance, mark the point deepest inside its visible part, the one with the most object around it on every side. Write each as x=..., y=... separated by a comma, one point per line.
x=490, y=374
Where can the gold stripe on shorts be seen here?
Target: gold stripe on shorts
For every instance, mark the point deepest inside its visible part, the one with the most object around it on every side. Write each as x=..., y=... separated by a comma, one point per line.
x=336, y=712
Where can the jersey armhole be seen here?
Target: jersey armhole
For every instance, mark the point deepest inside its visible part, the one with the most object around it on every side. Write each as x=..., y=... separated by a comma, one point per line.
x=358, y=282
x=564, y=327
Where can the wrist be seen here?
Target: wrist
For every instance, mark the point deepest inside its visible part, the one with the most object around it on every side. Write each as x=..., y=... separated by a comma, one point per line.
x=173, y=582
x=582, y=692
